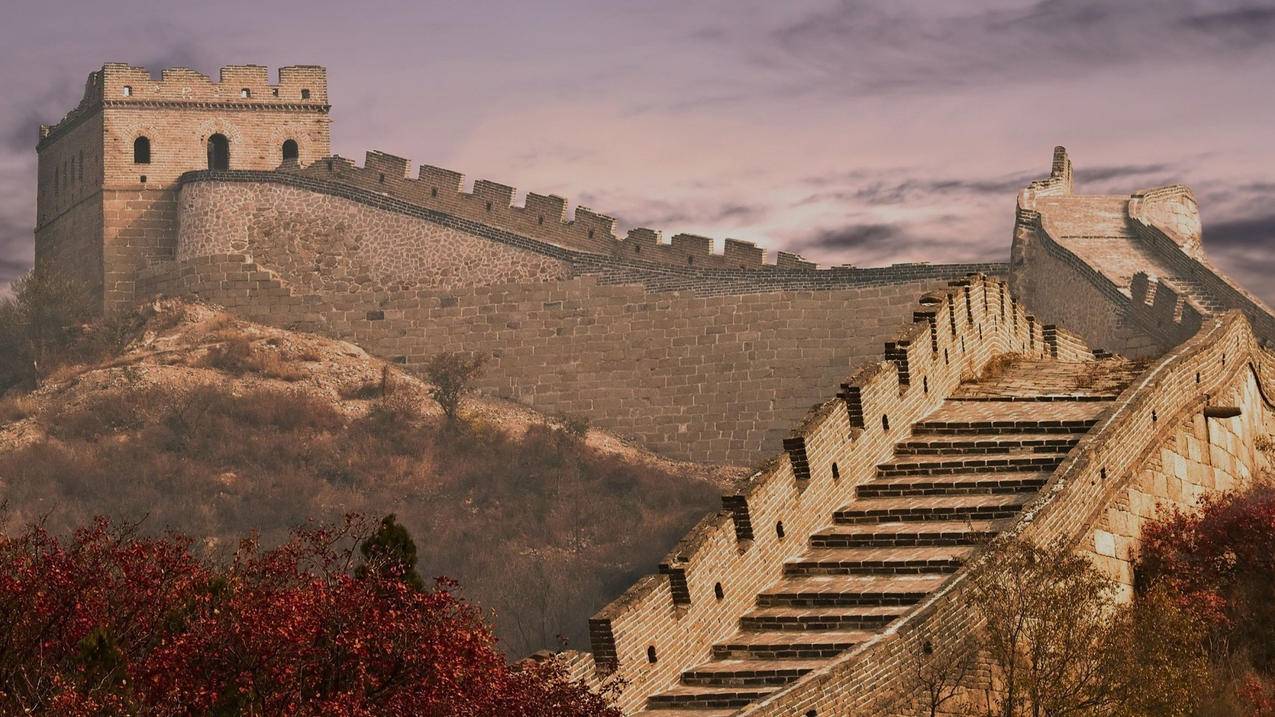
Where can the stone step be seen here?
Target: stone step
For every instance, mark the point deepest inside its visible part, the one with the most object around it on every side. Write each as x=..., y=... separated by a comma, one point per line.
x=938, y=507
x=1005, y=415
x=676, y=712
x=736, y=672
x=993, y=427
x=879, y=561
x=812, y=619
x=849, y=590
x=954, y=484
x=700, y=696
x=931, y=465
x=907, y=534
x=789, y=644
x=999, y=443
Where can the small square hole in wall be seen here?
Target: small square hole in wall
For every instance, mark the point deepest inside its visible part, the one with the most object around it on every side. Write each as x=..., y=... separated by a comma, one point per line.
x=305, y=94
x=128, y=91
x=275, y=92
x=143, y=179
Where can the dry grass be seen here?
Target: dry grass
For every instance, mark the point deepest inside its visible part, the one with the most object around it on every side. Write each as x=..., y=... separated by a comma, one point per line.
x=539, y=526
x=240, y=355
x=15, y=407
x=997, y=367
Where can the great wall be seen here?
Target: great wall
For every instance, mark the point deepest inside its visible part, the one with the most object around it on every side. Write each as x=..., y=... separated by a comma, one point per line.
x=849, y=546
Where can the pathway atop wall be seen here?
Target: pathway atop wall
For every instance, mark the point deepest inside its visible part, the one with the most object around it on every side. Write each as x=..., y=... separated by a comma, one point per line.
x=1099, y=231
x=961, y=477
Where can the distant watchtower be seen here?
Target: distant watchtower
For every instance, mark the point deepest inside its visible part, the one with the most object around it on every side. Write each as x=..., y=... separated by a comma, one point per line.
x=106, y=203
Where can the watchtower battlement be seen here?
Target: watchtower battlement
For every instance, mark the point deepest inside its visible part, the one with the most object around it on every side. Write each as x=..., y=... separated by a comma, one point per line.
x=106, y=196
x=239, y=87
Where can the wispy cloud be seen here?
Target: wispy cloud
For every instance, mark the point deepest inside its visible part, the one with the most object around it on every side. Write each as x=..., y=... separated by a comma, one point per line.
x=867, y=47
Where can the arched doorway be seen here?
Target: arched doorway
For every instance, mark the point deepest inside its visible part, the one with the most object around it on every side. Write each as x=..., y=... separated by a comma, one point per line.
x=290, y=151
x=218, y=152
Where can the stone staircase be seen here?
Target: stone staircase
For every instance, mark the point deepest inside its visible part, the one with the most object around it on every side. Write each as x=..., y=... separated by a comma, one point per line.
x=962, y=476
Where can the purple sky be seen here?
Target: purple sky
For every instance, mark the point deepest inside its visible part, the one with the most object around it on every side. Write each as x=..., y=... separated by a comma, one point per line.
x=852, y=132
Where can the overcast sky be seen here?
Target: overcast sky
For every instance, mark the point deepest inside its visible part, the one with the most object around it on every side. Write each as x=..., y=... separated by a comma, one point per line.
x=852, y=132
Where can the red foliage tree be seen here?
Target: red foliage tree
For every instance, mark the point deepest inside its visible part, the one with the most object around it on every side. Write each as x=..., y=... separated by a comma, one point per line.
x=1219, y=560
x=109, y=623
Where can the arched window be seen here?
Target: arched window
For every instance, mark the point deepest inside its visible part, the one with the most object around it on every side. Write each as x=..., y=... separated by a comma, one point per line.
x=142, y=150
x=218, y=152
x=290, y=151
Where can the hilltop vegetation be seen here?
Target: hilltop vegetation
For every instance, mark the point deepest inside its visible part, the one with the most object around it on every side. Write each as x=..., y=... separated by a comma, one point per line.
x=217, y=428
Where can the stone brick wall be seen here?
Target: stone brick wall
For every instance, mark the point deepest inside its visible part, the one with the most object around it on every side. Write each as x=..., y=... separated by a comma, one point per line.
x=325, y=243
x=1064, y=290
x=542, y=217
x=954, y=332
x=1094, y=263
x=88, y=159
x=1105, y=485
x=69, y=206
x=695, y=362
x=705, y=378
x=1194, y=455
x=1174, y=211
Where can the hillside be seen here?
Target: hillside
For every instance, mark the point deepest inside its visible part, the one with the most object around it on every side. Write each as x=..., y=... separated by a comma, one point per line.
x=214, y=427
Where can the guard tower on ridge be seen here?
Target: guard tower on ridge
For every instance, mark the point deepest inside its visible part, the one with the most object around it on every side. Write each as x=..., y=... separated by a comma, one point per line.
x=106, y=199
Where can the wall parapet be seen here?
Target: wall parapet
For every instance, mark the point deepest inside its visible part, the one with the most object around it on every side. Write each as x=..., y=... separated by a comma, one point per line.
x=715, y=572
x=1164, y=232
x=541, y=216
x=701, y=279
x=1103, y=463
x=1163, y=326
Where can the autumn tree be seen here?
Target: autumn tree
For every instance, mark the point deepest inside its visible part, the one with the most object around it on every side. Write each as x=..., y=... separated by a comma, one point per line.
x=1217, y=562
x=108, y=622
x=1062, y=646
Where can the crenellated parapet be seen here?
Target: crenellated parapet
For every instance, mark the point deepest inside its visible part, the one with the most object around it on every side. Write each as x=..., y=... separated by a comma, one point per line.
x=238, y=88
x=666, y=622
x=543, y=217
x=1129, y=272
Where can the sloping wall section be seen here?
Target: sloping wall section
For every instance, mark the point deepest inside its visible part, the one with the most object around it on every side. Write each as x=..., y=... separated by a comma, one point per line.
x=1139, y=456
x=1129, y=273
x=700, y=362
x=667, y=622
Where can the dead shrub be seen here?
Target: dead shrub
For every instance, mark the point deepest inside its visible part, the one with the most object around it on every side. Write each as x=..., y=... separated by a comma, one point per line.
x=451, y=374
x=367, y=390
x=15, y=407
x=239, y=355
x=998, y=366
x=42, y=327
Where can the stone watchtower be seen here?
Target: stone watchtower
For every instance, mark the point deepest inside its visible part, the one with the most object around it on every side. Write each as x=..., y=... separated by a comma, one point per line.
x=106, y=203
